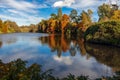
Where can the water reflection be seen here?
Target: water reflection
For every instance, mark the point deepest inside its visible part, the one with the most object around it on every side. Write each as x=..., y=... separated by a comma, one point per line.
x=8, y=39
x=0, y=44
x=107, y=55
x=62, y=44
x=64, y=54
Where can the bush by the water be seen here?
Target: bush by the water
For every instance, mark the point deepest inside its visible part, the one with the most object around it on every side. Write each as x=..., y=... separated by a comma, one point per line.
x=17, y=70
x=104, y=32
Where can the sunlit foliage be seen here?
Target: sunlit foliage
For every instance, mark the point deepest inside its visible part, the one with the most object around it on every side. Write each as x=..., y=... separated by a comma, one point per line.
x=85, y=20
x=62, y=23
x=116, y=15
x=8, y=27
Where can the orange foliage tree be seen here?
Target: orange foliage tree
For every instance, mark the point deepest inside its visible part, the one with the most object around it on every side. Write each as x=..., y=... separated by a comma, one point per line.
x=5, y=28
x=1, y=25
x=51, y=25
x=64, y=22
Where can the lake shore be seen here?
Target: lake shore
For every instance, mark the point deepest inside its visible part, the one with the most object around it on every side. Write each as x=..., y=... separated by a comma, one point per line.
x=107, y=33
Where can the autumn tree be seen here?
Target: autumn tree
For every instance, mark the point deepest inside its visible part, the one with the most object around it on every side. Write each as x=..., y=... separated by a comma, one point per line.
x=86, y=16
x=54, y=23
x=51, y=25
x=12, y=26
x=9, y=26
x=1, y=25
x=65, y=21
x=116, y=15
x=85, y=19
x=5, y=27
x=58, y=27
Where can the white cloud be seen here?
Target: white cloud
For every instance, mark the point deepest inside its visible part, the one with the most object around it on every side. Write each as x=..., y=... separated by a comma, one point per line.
x=67, y=3
x=22, y=21
x=64, y=59
x=21, y=11
x=21, y=5
x=88, y=3
x=78, y=3
x=25, y=13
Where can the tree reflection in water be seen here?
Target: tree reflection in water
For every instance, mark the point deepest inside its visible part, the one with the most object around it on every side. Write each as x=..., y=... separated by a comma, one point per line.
x=62, y=44
x=107, y=55
x=0, y=44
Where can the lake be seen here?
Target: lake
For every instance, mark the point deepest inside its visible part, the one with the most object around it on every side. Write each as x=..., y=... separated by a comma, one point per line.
x=64, y=54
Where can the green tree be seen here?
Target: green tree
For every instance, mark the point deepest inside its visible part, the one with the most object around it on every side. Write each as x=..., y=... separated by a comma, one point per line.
x=42, y=26
x=104, y=12
x=59, y=14
x=74, y=16
x=90, y=12
x=53, y=16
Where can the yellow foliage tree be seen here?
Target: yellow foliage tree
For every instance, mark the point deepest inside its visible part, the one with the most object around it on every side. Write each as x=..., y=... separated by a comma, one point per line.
x=85, y=20
x=116, y=15
x=5, y=28
x=51, y=25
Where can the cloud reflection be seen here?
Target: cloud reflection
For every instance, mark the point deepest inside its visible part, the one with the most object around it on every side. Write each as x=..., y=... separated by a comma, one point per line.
x=30, y=48
x=65, y=59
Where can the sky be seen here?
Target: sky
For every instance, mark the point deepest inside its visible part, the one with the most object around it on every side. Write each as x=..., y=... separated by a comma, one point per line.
x=26, y=12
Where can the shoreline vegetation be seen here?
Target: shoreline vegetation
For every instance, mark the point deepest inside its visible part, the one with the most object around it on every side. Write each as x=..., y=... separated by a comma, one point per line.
x=105, y=31
x=17, y=70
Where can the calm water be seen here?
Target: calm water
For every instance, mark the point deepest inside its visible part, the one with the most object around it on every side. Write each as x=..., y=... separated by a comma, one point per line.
x=64, y=54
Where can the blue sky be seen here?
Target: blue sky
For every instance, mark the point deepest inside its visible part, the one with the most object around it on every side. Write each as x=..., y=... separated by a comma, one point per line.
x=25, y=12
